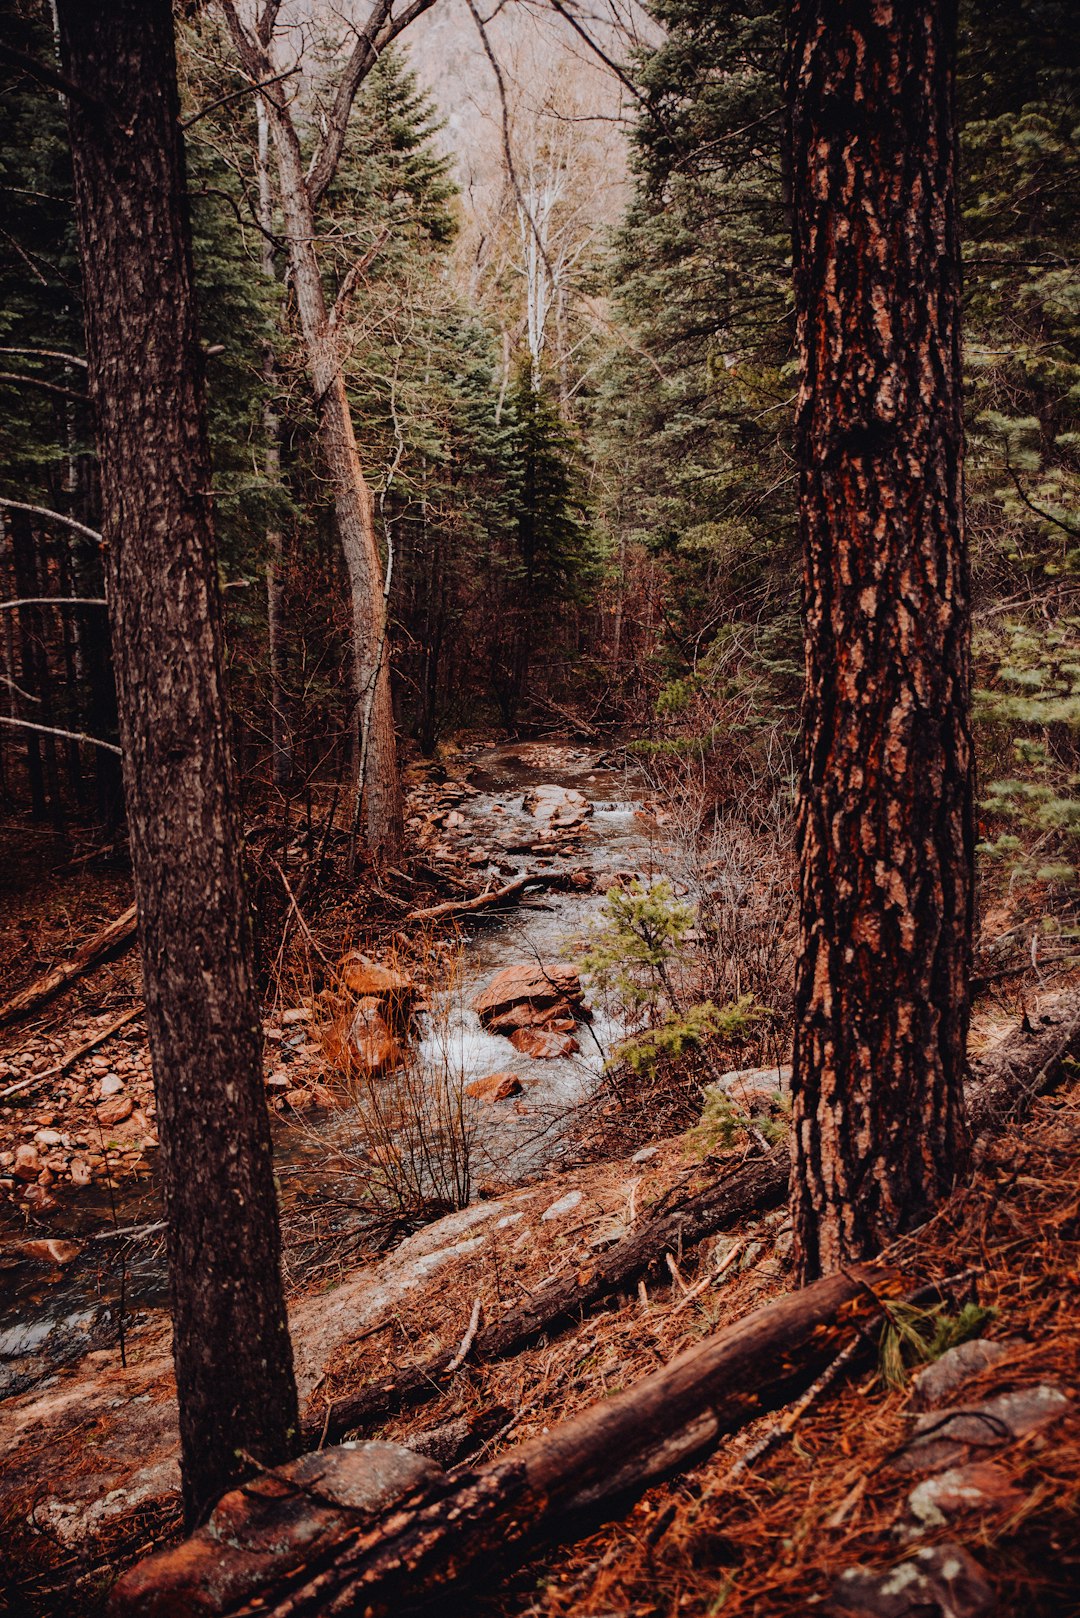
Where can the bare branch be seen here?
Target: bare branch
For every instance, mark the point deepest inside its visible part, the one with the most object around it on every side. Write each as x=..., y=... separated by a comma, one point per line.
x=40, y=382
x=265, y=30
x=48, y=354
x=12, y=685
x=508, y=154
x=348, y=286
x=1047, y=516
x=53, y=601
x=68, y=735
x=597, y=50
x=380, y=30
x=53, y=516
x=51, y=78
x=234, y=95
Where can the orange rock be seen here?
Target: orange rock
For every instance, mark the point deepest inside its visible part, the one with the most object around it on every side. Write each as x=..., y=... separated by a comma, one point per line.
x=543, y=1042
x=51, y=1251
x=371, y=1038
x=528, y=996
x=495, y=1087
x=27, y=1163
x=114, y=1111
x=362, y=976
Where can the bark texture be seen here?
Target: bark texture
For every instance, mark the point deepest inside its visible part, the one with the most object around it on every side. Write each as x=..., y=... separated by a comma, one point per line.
x=230, y=1339
x=885, y=818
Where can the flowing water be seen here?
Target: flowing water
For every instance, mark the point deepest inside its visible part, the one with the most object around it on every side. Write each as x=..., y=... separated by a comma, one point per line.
x=48, y=1317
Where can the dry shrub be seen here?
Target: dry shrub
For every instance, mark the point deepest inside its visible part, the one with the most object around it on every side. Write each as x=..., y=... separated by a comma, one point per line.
x=411, y=1133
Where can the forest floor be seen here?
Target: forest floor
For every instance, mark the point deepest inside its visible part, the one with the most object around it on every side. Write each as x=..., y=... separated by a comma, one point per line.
x=88, y=1456
x=87, y=1475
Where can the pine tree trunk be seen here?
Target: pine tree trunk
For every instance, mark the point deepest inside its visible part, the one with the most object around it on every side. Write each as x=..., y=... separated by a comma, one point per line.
x=353, y=505
x=230, y=1337
x=885, y=814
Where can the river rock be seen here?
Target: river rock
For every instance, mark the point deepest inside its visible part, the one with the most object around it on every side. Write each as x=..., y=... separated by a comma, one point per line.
x=111, y=1085
x=370, y=980
x=943, y=1439
x=529, y=996
x=114, y=1110
x=983, y=1486
x=50, y=1251
x=494, y=1087
x=565, y=1205
x=27, y=1164
x=276, y=1522
x=543, y=1043
x=80, y=1171
x=559, y=805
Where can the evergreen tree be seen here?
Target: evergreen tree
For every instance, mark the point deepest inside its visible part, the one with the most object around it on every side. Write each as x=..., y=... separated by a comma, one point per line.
x=694, y=413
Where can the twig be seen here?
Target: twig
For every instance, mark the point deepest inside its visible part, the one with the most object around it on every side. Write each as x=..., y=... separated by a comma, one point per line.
x=83, y=1049
x=68, y=735
x=675, y=1276
x=467, y=1341
x=710, y=1280
x=53, y=516
x=134, y=1231
x=794, y=1414
x=53, y=601
x=234, y=95
x=304, y=928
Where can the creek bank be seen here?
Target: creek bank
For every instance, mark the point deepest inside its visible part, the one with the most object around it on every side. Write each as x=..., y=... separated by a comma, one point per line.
x=92, y=1174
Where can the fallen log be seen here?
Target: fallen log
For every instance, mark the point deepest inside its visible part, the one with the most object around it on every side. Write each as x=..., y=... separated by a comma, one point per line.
x=760, y=1183
x=111, y=940
x=497, y=896
x=1028, y=1062
x=435, y=1532
x=578, y=726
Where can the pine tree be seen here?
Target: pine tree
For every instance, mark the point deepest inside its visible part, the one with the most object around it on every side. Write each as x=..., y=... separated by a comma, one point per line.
x=885, y=828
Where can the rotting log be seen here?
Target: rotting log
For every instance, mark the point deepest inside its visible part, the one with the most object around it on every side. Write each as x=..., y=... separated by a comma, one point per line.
x=511, y=892
x=111, y=940
x=1026, y=1064
x=435, y=1536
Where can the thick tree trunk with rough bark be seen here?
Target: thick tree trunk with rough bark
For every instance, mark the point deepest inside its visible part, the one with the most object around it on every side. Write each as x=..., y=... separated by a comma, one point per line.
x=230, y=1338
x=885, y=813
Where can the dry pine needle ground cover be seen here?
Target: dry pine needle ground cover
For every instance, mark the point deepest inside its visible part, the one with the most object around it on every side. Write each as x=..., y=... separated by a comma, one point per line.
x=770, y=1542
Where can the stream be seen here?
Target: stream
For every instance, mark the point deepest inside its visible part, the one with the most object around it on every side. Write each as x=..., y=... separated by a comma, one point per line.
x=49, y=1315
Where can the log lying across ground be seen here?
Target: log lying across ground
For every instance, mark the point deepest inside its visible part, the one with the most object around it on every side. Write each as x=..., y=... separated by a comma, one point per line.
x=109, y=941
x=1028, y=1062
x=339, y=1560
x=512, y=891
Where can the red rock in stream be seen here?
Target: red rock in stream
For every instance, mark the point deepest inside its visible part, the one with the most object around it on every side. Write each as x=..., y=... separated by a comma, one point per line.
x=370, y=980
x=530, y=996
x=543, y=1042
x=494, y=1087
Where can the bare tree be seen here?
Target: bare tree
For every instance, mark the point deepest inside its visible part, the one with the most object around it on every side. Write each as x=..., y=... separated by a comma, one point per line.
x=885, y=813
x=234, y=1376
x=301, y=190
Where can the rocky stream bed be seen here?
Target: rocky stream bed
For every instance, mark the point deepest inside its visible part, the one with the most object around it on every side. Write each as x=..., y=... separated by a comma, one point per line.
x=80, y=1242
